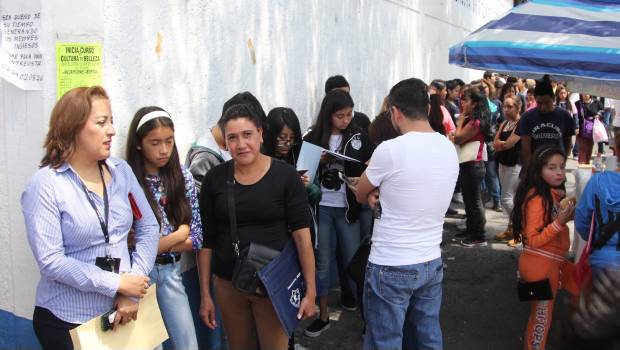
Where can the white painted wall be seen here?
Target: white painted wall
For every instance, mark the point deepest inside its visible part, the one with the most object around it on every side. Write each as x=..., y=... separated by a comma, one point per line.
x=205, y=59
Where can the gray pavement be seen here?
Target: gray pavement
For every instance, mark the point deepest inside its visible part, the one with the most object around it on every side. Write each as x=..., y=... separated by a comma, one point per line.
x=480, y=308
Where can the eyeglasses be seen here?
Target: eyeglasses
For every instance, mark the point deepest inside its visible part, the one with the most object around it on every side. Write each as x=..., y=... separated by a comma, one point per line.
x=286, y=141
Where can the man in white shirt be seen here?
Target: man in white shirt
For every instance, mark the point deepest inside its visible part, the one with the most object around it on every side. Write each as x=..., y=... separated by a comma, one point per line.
x=415, y=173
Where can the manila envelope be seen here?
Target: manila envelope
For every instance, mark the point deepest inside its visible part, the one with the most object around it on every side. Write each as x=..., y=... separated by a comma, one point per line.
x=147, y=332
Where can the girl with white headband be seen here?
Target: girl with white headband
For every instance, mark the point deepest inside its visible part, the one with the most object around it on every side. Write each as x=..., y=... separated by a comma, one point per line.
x=169, y=188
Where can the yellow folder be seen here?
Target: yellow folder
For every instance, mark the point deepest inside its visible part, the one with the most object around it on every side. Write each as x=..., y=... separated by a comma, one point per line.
x=147, y=332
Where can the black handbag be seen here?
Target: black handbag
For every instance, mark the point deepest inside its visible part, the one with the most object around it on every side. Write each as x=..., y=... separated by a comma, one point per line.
x=251, y=259
x=531, y=291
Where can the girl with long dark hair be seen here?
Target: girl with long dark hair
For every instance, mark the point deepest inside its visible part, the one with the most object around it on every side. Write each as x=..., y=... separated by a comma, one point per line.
x=539, y=222
x=169, y=187
x=439, y=116
x=339, y=211
x=282, y=138
x=473, y=126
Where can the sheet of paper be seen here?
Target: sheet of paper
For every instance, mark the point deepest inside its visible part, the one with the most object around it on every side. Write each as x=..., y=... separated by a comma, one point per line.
x=309, y=158
x=340, y=156
x=147, y=332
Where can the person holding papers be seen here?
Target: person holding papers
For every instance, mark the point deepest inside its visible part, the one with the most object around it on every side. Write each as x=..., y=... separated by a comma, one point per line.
x=78, y=212
x=282, y=140
x=338, y=209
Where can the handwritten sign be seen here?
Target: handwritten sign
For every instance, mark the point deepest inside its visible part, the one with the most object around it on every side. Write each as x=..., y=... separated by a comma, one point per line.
x=21, y=60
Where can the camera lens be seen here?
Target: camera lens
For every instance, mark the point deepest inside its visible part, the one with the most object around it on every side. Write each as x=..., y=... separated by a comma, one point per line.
x=330, y=180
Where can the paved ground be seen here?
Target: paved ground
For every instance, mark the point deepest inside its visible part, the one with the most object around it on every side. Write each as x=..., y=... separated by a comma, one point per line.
x=480, y=308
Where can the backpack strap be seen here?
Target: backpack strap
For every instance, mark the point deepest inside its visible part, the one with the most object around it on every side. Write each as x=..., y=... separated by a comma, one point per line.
x=607, y=230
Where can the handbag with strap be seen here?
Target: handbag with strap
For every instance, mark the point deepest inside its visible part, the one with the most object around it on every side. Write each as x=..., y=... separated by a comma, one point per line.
x=582, y=272
x=468, y=152
x=250, y=260
x=531, y=291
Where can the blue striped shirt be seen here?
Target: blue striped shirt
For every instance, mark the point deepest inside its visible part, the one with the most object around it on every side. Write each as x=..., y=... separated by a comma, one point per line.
x=65, y=237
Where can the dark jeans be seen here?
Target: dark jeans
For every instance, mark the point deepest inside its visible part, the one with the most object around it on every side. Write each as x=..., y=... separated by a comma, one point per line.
x=492, y=181
x=472, y=173
x=52, y=332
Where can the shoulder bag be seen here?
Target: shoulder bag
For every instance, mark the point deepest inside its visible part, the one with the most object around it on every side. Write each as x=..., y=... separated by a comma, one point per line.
x=251, y=259
x=582, y=272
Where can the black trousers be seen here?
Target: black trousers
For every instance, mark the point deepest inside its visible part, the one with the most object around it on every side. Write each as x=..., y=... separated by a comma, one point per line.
x=472, y=174
x=52, y=332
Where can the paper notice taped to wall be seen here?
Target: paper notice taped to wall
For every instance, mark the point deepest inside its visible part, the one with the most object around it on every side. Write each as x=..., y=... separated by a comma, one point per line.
x=21, y=59
x=78, y=65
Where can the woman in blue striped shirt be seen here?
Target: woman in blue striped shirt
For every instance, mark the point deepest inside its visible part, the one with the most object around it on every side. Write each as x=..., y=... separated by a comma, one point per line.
x=78, y=214
x=170, y=190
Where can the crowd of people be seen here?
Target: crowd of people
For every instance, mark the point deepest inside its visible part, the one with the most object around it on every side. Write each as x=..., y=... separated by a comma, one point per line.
x=103, y=229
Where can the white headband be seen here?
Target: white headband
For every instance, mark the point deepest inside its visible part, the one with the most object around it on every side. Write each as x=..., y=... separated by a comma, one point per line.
x=150, y=116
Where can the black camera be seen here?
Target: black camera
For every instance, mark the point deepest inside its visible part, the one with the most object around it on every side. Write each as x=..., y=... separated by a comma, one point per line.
x=331, y=180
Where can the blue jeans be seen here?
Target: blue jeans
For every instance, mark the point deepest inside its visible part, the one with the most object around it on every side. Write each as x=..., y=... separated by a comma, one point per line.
x=332, y=223
x=174, y=306
x=401, y=305
x=492, y=181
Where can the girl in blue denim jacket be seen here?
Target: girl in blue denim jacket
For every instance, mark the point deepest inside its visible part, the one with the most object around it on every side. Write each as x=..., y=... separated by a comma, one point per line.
x=169, y=188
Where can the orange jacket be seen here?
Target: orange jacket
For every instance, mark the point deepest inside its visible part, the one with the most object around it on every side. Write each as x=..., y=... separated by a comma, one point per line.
x=553, y=237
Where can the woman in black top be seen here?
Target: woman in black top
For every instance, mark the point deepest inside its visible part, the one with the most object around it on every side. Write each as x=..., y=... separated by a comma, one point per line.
x=270, y=202
x=507, y=153
x=339, y=212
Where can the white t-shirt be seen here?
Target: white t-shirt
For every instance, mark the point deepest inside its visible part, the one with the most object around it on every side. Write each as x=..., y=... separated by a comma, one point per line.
x=416, y=174
x=207, y=140
x=329, y=197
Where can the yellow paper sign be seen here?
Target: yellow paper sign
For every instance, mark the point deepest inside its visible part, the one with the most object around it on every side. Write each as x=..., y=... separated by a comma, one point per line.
x=78, y=65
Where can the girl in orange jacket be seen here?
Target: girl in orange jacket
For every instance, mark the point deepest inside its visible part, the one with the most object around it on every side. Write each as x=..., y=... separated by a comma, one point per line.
x=540, y=223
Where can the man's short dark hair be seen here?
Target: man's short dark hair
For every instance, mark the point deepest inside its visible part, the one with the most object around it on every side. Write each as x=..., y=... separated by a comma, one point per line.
x=334, y=82
x=488, y=74
x=544, y=87
x=411, y=98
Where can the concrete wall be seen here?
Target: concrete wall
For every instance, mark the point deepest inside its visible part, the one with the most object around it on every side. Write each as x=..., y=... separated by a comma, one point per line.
x=204, y=58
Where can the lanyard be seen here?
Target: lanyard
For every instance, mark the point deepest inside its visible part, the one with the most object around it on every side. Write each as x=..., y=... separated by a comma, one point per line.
x=102, y=222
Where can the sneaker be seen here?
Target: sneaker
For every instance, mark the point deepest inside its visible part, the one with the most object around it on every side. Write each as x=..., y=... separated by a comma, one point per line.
x=512, y=243
x=472, y=243
x=316, y=328
x=347, y=301
x=504, y=236
x=497, y=207
x=460, y=235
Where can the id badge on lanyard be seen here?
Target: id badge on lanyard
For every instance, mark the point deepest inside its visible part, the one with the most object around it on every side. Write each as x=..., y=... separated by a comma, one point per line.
x=107, y=262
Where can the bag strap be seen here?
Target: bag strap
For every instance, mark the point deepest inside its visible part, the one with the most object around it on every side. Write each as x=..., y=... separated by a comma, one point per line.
x=232, y=213
x=587, y=249
x=607, y=230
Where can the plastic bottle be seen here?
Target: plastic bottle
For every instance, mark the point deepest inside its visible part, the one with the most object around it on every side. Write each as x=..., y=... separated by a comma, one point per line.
x=597, y=164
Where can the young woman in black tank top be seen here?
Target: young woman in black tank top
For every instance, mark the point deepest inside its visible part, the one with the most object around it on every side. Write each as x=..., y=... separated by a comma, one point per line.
x=507, y=153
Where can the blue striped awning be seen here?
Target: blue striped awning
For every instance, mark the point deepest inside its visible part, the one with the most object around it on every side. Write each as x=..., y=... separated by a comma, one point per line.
x=577, y=41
